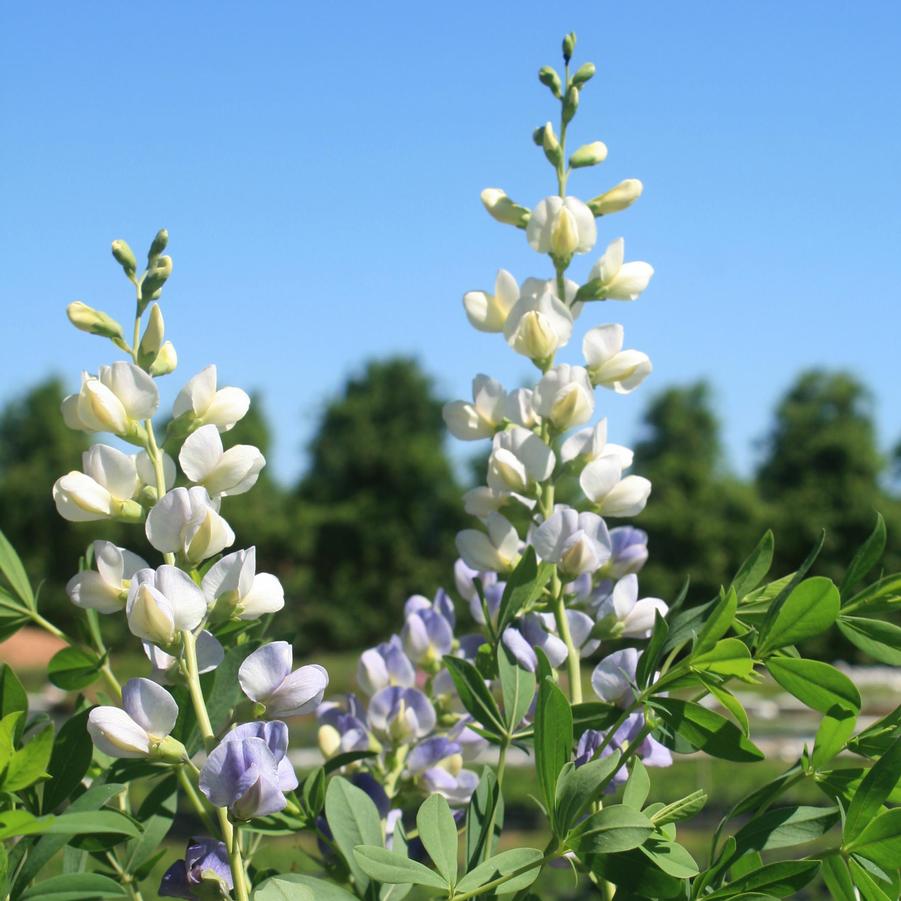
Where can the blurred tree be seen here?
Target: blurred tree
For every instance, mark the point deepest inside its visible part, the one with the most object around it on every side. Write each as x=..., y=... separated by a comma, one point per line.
x=382, y=503
x=36, y=448
x=822, y=470
x=701, y=521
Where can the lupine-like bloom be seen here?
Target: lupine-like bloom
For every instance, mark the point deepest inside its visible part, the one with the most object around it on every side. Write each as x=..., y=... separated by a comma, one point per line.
x=604, y=485
x=629, y=551
x=436, y=765
x=185, y=521
x=116, y=400
x=577, y=542
x=611, y=366
x=564, y=396
x=106, y=589
x=618, y=280
x=104, y=490
x=561, y=226
x=498, y=551
x=591, y=444
x=342, y=727
x=519, y=408
x=620, y=612
x=428, y=632
x=534, y=630
x=483, y=416
x=613, y=679
x=164, y=667
x=539, y=323
x=233, y=588
x=266, y=678
x=488, y=312
x=163, y=602
x=221, y=472
x=518, y=460
x=492, y=589
x=482, y=501
x=203, y=404
x=401, y=714
x=141, y=727
x=249, y=771
x=205, y=869
x=385, y=664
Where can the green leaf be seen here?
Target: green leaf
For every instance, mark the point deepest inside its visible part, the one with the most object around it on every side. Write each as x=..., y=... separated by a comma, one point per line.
x=553, y=739
x=29, y=764
x=71, y=757
x=879, y=639
x=593, y=715
x=836, y=727
x=784, y=827
x=354, y=820
x=74, y=668
x=524, y=586
x=638, y=786
x=880, y=840
x=834, y=870
x=717, y=624
x=729, y=657
x=517, y=688
x=486, y=800
x=320, y=889
x=612, y=830
x=672, y=858
x=389, y=866
x=876, y=739
x=753, y=571
x=680, y=810
x=778, y=879
x=474, y=694
x=75, y=887
x=13, y=698
x=811, y=608
x=819, y=685
x=867, y=556
x=285, y=888
x=705, y=730
x=438, y=833
x=730, y=703
x=865, y=884
x=504, y=864
x=11, y=567
x=650, y=657
x=579, y=786
x=221, y=687
x=873, y=791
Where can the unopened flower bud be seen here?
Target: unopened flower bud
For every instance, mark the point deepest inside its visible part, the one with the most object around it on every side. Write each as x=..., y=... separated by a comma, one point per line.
x=153, y=336
x=125, y=257
x=619, y=198
x=538, y=136
x=166, y=360
x=329, y=740
x=551, y=145
x=584, y=73
x=569, y=45
x=92, y=321
x=589, y=155
x=154, y=279
x=503, y=209
x=169, y=750
x=571, y=103
x=547, y=76
x=158, y=245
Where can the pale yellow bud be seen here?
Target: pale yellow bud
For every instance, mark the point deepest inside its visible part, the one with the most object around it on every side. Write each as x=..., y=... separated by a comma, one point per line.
x=589, y=155
x=503, y=209
x=564, y=235
x=166, y=360
x=92, y=321
x=153, y=334
x=619, y=198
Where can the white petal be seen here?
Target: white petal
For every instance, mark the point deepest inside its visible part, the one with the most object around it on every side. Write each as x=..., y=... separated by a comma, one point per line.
x=228, y=406
x=115, y=733
x=628, y=498
x=477, y=550
x=197, y=394
x=223, y=576
x=168, y=519
x=135, y=389
x=300, y=693
x=263, y=671
x=237, y=471
x=265, y=596
x=112, y=469
x=630, y=281
x=150, y=706
x=80, y=499
x=90, y=590
x=600, y=477
x=187, y=600
x=464, y=423
x=201, y=453
x=601, y=343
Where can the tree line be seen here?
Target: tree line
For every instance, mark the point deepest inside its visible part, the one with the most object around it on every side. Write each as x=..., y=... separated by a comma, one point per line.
x=373, y=518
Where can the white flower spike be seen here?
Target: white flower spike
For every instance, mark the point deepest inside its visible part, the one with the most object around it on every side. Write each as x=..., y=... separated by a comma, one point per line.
x=618, y=280
x=222, y=472
x=565, y=397
x=561, y=226
x=611, y=366
x=185, y=521
x=163, y=602
x=204, y=404
x=233, y=587
x=116, y=400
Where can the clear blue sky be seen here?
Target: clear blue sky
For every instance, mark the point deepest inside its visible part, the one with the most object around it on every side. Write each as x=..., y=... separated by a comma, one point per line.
x=319, y=168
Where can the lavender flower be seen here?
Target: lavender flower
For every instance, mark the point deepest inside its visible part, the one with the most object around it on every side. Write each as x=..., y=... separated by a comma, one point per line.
x=613, y=679
x=629, y=551
x=342, y=727
x=204, y=870
x=436, y=765
x=428, y=632
x=385, y=664
x=534, y=631
x=249, y=771
x=650, y=751
x=401, y=714
x=266, y=677
x=620, y=612
x=577, y=542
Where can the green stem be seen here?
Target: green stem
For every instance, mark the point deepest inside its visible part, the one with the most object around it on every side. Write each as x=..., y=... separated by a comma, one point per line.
x=495, y=883
x=488, y=850
x=187, y=785
x=573, y=661
x=229, y=832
